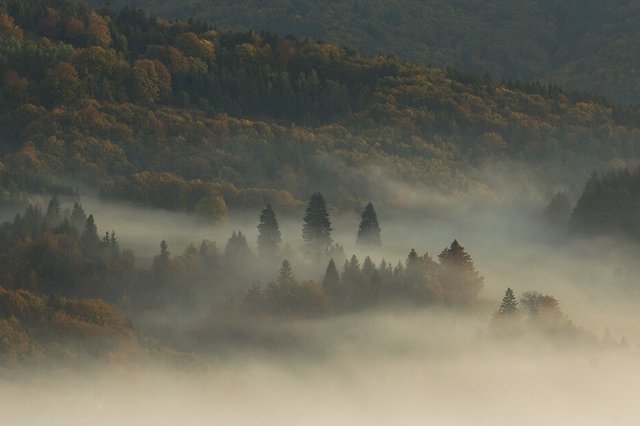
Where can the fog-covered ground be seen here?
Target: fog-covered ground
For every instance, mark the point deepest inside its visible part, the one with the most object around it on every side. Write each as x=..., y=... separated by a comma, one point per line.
x=433, y=366
x=378, y=369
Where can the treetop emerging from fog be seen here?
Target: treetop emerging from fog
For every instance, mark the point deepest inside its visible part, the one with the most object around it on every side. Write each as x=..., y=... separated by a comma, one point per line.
x=369, y=230
x=316, y=230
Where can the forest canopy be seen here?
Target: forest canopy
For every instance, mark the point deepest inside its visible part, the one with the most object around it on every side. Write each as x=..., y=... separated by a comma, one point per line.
x=178, y=114
x=580, y=44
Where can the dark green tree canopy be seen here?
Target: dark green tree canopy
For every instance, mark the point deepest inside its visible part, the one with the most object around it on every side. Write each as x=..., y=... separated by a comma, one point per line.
x=53, y=211
x=609, y=204
x=269, y=236
x=509, y=305
x=78, y=218
x=316, y=230
x=331, y=281
x=237, y=248
x=90, y=237
x=369, y=230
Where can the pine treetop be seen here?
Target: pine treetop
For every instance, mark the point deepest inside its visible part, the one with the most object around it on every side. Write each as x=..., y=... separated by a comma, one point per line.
x=509, y=304
x=369, y=229
x=316, y=230
x=269, y=236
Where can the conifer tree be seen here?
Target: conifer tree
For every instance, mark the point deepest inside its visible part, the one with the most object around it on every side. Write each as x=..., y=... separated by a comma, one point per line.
x=368, y=269
x=113, y=241
x=509, y=305
x=237, y=249
x=162, y=265
x=351, y=278
x=365, y=289
x=460, y=280
x=285, y=277
x=90, y=237
x=164, y=250
x=106, y=240
x=412, y=258
x=331, y=281
x=53, y=216
x=316, y=230
x=114, y=245
x=269, y=236
x=78, y=218
x=369, y=230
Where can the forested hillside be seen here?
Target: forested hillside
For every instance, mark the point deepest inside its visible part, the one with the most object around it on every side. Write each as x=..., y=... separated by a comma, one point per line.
x=181, y=116
x=581, y=44
x=609, y=204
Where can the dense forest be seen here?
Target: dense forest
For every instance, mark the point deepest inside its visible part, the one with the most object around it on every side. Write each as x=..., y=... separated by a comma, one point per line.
x=609, y=204
x=59, y=250
x=182, y=116
x=582, y=44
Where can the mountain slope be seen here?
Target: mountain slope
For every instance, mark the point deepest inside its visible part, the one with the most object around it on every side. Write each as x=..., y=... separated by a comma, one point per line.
x=186, y=115
x=583, y=45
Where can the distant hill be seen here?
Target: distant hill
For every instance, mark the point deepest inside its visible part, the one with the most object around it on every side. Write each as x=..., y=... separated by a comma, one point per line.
x=180, y=116
x=585, y=45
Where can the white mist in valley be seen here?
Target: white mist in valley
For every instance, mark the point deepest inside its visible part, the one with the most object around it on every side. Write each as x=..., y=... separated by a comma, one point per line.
x=385, y=366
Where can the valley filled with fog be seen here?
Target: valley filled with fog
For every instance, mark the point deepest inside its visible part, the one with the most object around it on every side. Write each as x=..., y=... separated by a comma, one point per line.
x=381, y=365
x=213, y=223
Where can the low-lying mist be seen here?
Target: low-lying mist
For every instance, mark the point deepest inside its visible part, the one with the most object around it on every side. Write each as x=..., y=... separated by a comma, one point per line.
x=435, y=367
x=388, y=365
x=501, y=225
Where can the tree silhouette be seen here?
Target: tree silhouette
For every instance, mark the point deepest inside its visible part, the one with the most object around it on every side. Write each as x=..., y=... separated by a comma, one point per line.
x=369, y=230
x=316, y=230
x=237, y=249
x=269, y=236
x=285, y=277
x=460, y=280
x=164, y=250
x=90, y=238
x=53, y=216
x=78, y=218
x=331, y=281
x=509, y=305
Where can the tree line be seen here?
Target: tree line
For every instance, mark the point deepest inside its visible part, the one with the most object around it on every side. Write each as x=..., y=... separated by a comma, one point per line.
x=59, y=250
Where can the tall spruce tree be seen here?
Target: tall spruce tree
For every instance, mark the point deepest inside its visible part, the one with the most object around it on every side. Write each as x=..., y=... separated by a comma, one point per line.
x=369, y=230
x=269, y=236
x=53, y=217
x=509, y=305
x=90, y=238
x=331, y=281
x=316, y=230
x=78, y=218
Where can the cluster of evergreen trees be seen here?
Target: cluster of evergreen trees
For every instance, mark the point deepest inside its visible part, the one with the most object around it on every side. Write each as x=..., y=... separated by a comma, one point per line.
x=420, y=280
x=453, y=279
x=536, y=308
x=316, y=228
x=60, y=251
